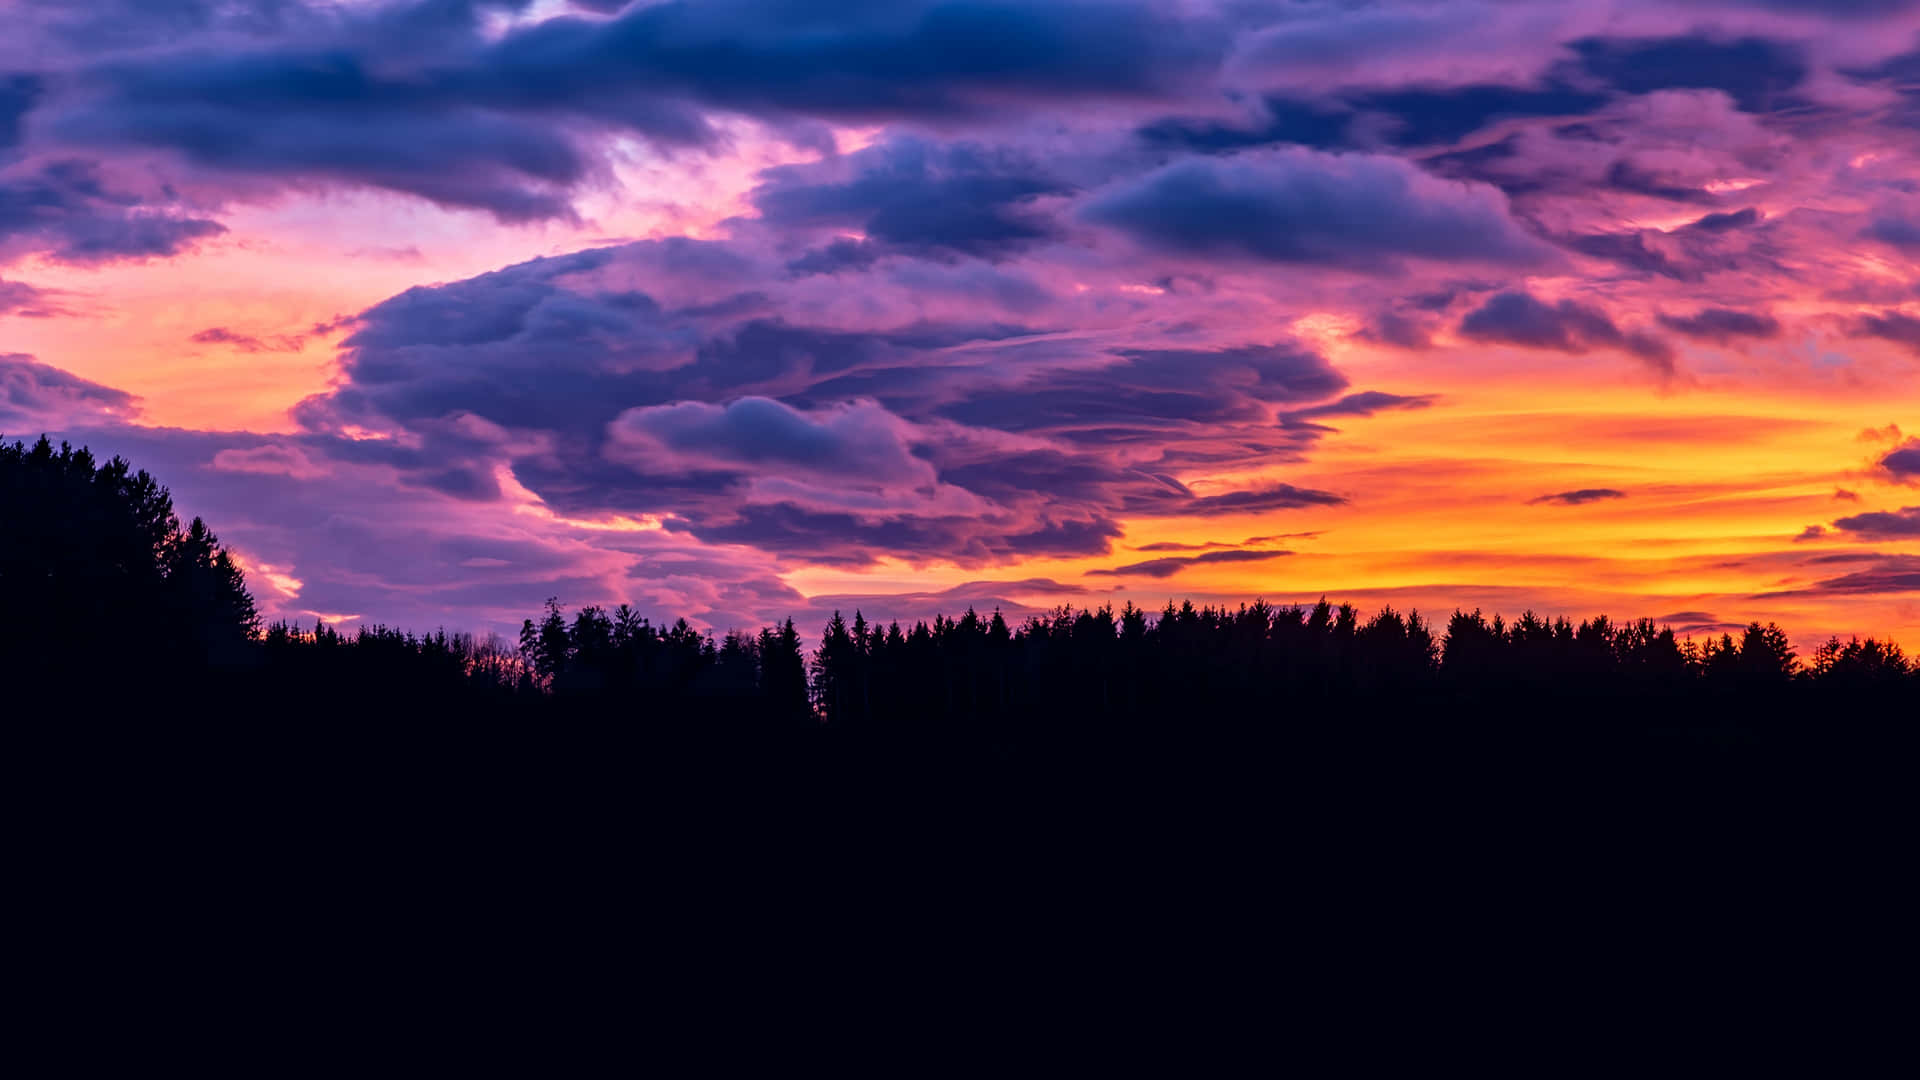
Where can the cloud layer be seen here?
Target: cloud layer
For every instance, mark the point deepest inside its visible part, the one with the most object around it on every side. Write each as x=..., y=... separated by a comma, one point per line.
x=742, y=307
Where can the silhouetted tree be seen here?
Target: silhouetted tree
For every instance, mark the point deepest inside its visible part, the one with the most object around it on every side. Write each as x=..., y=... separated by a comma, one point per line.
x=1765, y=655
x=90, y=550
x=783, y=674
x=1860, y=664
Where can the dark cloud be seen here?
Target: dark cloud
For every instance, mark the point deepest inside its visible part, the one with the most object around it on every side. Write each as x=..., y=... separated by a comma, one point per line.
x=1151, y=390
x=856, y=59
x=857, y=443
x=1400, y=117
x=42, y=398
x=1688, y=253
x=1277, y=120
x=1886, y=574
x=1257, y=500
x=1498, y=163
x=1897, y=73
x=1164, y=568
x=113, y=25
x=469, y=483
x=1722, y=325
x=301, y=117
x=836, y=257
x=1355, y=211
x=1810, y=533
x=1365, y=403
x=1758, y=73
x=836, y=538
x=1578, y=498
x=1626, y=175
x=1393, y=328
x=400, y=97
x=1269, y=373
x=521, y=348
x=1840, y=558
x=644, y=379
x=423, y=99
x=18, y=94
x=1172, y=545
x=1013, y=477
x=1517, y=318
x=913, y=195
x=1428, y=116
x=1895, y=231
x=1903, y=464
x=67, y=211
x=1898, y=68
x=1728, y=221
x=1883, y=524
x=1894, y=326
x=1840, y=8
x=1075, y=536
x=1696, y=622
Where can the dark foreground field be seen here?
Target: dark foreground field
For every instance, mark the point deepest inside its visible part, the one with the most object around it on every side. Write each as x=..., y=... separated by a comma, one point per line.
x=1431, y=879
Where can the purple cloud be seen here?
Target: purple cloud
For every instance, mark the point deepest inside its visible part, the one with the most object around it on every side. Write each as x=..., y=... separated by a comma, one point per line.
x=36, y=398
x=66, y=210
x=1903, y=463
x=1895, y=326
x=858, y=443
x=18, y=94
x=1883, y=524
x=1722, y=325
x=424, y=99
x=1165, y=568
x=1885, y=574
x=1355, y=211
x=1578, y=498
x=1758, y=73
x=1517, y=318
x=918, y=196
x=1365, y=403
x=26, y=301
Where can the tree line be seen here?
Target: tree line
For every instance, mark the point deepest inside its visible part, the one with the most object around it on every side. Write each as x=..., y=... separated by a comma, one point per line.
x=97, y=574
x=1113, y=664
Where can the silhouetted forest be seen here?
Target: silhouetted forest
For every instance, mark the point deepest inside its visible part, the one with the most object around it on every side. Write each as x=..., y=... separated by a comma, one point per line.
x=98, y=575
x=1133, y=801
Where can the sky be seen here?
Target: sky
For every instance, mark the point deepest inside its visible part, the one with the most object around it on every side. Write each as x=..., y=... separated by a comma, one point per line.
x=745, y=309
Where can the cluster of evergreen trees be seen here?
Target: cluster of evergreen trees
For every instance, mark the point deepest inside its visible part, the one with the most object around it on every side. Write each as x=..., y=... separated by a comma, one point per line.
x=98, y=575
x=381, y=663
x=93, y=550
x=619, y=652
x=1101, y=668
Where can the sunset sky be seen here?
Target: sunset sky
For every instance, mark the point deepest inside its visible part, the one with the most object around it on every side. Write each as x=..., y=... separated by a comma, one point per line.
x=742, y=309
